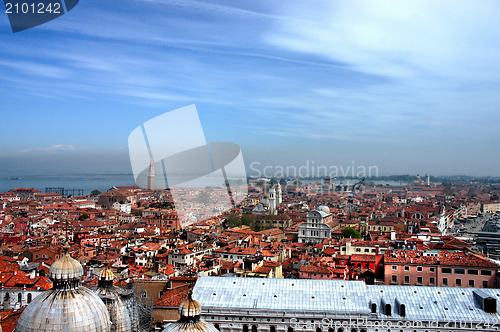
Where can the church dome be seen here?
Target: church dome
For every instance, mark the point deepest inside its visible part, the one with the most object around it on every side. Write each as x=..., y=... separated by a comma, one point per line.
x=190, y=308
x=265, y=202
x=106, y=275
x=122, y=318
x=324, y=208
x=190, y=311
x=67, y=306
x=66, y=269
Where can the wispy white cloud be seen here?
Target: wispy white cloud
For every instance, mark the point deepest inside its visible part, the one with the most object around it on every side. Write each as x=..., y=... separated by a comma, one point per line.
x=399, y=39
x=352, y=71
x=53, y=148
x=35, y=69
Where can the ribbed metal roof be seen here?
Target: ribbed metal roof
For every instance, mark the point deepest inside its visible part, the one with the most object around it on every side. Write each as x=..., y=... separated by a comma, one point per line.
x=343, y=297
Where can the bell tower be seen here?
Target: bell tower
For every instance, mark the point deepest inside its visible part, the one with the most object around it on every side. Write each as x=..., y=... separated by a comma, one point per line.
x=151, y=175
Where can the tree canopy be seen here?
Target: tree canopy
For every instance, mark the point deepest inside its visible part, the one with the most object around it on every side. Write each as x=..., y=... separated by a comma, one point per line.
x=350, y=232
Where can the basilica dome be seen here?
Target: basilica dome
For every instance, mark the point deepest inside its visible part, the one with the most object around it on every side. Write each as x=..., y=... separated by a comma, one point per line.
x=190, y=311
x=67, y=306
x=123, y=318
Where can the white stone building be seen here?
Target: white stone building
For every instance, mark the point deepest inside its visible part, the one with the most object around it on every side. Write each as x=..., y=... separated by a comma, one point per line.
x=316, y=227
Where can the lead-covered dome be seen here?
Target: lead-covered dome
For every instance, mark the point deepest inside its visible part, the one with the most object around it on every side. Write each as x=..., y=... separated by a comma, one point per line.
x=67, y=306
x=190, y=308
x=324, y=208
x=123, y=317
x=190, y=311
x=66, y=269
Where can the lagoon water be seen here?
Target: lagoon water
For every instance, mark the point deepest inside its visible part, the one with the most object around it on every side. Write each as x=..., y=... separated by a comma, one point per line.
x=95, y=181
x=86, y=182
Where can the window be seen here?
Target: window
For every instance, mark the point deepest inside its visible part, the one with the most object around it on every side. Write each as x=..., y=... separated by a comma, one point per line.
x=445, y=281
x=459, y=271
x=446, y=270
x=431, y=281
x=485, y=283
x=432, y=269
x=388, y=309
x=394, y=267
x=419, y=280
x=407, y=280
x=402, y=310
x=473, y=272
x=419, y=269
x=30, y=297
x=471, y=283
x=19, y=297
x=407, y=268
x=394, y=279
x=485, y=272
x=458, y=282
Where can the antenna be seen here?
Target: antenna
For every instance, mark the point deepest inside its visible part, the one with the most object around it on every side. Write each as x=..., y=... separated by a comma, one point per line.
x=65, y=221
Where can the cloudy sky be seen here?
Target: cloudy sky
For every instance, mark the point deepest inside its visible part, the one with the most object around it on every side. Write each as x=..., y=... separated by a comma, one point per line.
x=410, y=87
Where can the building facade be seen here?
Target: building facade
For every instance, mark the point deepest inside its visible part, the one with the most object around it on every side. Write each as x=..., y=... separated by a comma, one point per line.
x=316, y=227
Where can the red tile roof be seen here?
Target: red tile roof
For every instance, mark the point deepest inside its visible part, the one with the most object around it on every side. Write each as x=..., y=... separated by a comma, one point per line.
x=173, y=297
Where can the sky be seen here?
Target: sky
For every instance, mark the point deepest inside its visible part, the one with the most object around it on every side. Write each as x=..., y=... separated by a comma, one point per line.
x=407, y=86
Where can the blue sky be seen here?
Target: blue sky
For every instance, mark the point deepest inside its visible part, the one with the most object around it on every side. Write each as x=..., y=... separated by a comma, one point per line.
x=411, y=87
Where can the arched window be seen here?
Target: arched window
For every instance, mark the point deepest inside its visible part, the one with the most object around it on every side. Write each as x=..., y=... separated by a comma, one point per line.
x=245, y=328
x=290, y=329
x=318, y=329
x=217, y=326
x=374, y=308
x=402, y=310
x=272, y=329
x=254, y=328
x=30, y=297
x=160, y=294
x=6, y=302
x=19, y=297
x=388, y=310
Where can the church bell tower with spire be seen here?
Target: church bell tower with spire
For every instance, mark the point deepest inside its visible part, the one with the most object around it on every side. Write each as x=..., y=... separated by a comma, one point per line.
x=151, y=175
